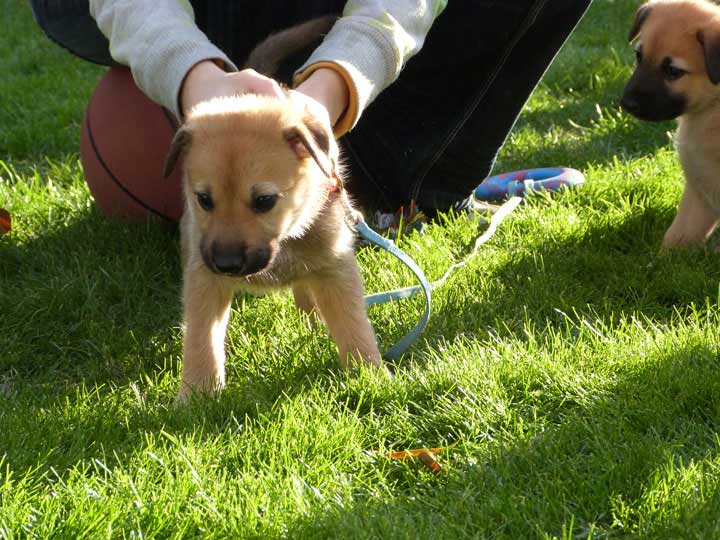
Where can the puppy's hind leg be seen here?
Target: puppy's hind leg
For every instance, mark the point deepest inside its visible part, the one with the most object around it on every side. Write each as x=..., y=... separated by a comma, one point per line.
x=694, y=222
x=207, y=301
x=339, y=296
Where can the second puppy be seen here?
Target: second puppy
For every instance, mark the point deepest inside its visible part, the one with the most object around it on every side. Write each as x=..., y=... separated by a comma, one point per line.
x=677, y=76
x=263, y=211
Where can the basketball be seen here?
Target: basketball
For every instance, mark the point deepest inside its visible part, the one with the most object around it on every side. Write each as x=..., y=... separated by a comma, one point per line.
x=123, y=143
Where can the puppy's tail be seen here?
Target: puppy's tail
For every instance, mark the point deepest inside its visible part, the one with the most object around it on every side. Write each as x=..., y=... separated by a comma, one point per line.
x=268, y=55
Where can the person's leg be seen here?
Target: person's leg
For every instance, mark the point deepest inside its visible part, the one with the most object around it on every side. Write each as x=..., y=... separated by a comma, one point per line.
x=235, y=27
x=433, y=135
x=69, y=24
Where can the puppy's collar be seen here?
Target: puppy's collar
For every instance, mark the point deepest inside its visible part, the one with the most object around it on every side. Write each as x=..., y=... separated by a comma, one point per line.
x=334, y=184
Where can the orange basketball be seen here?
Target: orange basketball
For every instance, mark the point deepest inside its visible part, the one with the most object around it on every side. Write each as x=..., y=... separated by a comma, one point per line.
x=123, y=143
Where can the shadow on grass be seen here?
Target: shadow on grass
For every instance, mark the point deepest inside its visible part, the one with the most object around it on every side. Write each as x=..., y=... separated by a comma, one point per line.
x=586, y=460
x=80, y=300
x=91, y=311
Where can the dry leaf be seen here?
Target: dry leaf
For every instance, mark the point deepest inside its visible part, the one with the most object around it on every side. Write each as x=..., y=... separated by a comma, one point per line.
x=426, y=456
x=5, y=224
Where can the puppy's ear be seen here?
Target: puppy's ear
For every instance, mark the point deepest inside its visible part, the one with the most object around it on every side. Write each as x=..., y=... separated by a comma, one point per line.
x=642, y=14
x=321, y=133
x=310, y=139
x=710, y=41
x=179, y=144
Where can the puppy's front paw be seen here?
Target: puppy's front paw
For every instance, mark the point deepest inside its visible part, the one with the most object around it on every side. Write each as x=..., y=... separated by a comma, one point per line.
x=354, y=356
x=673, y=240
x=201, y=388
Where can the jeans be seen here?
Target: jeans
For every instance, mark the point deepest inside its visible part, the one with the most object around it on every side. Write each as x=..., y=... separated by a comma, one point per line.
x=434, y=134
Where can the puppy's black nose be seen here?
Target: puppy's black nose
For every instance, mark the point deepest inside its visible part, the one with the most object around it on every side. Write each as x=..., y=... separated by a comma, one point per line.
x=629, y=103
x=237, y=259
x=228, y=260
x=257, y=259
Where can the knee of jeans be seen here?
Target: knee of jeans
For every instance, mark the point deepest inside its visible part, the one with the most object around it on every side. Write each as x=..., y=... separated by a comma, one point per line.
x=68, y=23
x=568, y=9
x=46, y=14
x=38, y=10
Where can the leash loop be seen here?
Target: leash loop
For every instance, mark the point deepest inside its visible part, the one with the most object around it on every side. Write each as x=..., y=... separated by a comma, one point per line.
x=358, y=225
x=380, y=298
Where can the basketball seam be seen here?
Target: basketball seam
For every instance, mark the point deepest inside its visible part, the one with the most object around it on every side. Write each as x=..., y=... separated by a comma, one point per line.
x=114, y=178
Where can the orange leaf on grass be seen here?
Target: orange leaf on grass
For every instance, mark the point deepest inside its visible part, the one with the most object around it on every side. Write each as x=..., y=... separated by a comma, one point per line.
x=426, y=456
x=5, y=224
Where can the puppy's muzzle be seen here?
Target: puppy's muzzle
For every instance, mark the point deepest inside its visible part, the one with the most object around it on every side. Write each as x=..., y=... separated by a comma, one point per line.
x=632, y=103
x=236, y=259
x=646, y=97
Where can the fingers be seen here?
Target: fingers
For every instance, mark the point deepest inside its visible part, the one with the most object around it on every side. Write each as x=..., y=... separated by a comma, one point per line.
x=207, y=81
x=252, y=82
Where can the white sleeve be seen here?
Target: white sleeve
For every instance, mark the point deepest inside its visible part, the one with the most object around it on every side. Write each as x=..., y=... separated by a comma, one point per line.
x=374, y=39
x=158, y=40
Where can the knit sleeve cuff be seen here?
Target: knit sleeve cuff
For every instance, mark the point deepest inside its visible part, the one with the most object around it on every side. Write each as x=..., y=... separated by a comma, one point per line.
x=350, y=116
x=365, y=59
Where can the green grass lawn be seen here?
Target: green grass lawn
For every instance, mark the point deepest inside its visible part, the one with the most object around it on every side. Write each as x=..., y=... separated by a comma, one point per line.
x=573, y=368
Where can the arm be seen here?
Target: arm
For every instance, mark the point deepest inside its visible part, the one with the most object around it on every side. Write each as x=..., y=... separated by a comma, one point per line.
x=367, y=48
x=171, y=59
x=160, y=43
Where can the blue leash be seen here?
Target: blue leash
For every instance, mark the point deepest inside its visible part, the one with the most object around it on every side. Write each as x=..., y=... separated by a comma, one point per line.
x=425, y=286
x=513, y=185
x=398, y=294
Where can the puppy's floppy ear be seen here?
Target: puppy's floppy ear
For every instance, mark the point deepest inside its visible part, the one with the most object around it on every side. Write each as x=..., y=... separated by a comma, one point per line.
x=710, y=41
x=321, y=133
x=179, y=144
x=642, y=14
x=311, y=139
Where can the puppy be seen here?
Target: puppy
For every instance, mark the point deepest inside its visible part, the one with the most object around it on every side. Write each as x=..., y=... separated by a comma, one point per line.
x=677, y=76
x=263, y=211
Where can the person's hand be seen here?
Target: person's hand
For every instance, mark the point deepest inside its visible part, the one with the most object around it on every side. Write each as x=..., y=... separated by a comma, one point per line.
x=324, y=92
x=206, y=81
x=325, y=88
x=315, y=108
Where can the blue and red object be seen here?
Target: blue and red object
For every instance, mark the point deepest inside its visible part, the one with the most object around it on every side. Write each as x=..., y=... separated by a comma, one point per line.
x=501, y=186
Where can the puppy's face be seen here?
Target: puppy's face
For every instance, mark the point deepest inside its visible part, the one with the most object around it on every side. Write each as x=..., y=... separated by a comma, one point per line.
x=257, y=171
x=678, y=59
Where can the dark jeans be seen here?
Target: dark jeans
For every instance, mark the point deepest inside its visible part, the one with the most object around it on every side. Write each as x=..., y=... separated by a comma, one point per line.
x=434, y=134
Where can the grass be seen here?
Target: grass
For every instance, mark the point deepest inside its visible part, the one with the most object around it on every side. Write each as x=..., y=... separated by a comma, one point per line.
x=573, y=368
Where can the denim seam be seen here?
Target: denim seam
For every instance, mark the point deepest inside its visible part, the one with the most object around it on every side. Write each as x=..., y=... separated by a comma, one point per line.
x=529, y=19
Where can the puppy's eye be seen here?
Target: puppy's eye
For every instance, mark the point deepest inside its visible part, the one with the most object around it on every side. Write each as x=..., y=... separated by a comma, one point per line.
x=205, y=201
x=264, y=203
x=670, y=72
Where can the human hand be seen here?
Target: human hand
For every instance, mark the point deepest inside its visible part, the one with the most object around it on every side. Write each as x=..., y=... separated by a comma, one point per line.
x=206, y=81
x=325, y=89
x=324, y=92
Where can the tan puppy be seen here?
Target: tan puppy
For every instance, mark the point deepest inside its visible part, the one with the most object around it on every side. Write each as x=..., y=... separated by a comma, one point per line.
x=677, y=76
x=262, y=212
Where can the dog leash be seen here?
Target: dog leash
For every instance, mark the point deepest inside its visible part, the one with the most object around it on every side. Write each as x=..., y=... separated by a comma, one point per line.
x=388, y=296
x=357, y=223
x=512, y=186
